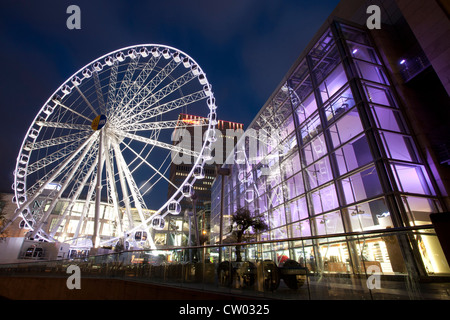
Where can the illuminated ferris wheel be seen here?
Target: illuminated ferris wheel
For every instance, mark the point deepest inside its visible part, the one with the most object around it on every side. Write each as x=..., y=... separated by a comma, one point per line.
x=104, y=138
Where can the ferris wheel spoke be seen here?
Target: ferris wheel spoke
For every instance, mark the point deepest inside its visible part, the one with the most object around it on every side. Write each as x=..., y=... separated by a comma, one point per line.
x=59, y=103
x=57, y=141
x=147, y=91
x=174, y=124
x=68, y=179
x=146, y=115
x=151, y=166
x=87, y=202
x=112, y=187
x=138, y=90
x=79, y=188
x=135, y=193
x=87, y=102
x=123, y=186
x=163, y=145
x=52, y=158
x=61, y=125
x=111, y=97
x=98, y=89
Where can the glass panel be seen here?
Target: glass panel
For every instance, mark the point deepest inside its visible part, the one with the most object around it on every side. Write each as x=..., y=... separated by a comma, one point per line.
x=368, y=216
x=339, y=105
x=278, y=217
x=302, y=91
x=325, y=65
x=306, y=108
x=370, y=72
x=290, y=165
x=286, y=128
x=324, y=199
x=298, y=209
x=332, y=83
x=360, y=186
x=379, y=95
x=399, y=147
x=299, y=75
x=315, y=150
x=419, y=209
x=322, y=48
x=329, y=223
x=353, y=155
x=299, y=229
x=412, y=179
x=362, y=52
x=389, y=119
x=354, y=34
x=346, y=128
x=319, y=173
x=432, y=255
x=294, y=186
x=311, y=128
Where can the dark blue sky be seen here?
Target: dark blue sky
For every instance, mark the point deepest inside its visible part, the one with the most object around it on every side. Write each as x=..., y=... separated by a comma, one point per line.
x=244, y=46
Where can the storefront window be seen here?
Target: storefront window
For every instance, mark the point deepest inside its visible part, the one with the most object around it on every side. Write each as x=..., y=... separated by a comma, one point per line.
x=370, y=215
x=419, y=209
x=355, y=35
x=310, y=129
x=290, y=165
x=294, y=186
x=299, y=229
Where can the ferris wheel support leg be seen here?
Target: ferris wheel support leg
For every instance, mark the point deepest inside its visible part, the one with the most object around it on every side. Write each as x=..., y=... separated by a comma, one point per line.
x=95, y=240
x=123, y=186
x=112, y=187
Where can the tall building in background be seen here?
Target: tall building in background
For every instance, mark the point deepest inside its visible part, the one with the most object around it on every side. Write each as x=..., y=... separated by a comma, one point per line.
x=177, y=227
x=359, y=146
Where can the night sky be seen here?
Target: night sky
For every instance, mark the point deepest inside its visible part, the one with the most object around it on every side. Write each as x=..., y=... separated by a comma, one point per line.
x=245, y=48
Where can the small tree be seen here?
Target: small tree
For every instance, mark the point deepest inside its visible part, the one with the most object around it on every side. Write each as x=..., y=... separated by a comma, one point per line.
x=241, y=222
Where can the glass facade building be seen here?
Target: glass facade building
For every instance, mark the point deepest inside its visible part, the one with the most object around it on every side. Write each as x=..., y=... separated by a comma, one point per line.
x=335, y=156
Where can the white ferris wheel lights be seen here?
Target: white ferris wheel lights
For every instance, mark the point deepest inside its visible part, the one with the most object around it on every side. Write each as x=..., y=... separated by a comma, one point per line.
x=141, y=90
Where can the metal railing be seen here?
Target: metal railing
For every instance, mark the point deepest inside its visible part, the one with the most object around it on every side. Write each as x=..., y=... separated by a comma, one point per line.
x=280, y=269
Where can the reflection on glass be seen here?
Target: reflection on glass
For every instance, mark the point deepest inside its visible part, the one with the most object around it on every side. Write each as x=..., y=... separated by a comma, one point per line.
x=332, y=83
x=353, y=155
x=346, y=128
x=324, y=199
x=372, y=215
x=360, y=186
x=388, y=119
x=339, y=105
x=412, y=179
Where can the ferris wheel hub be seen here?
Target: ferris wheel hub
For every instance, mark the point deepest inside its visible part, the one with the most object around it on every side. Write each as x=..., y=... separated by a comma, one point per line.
x=98, y=122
